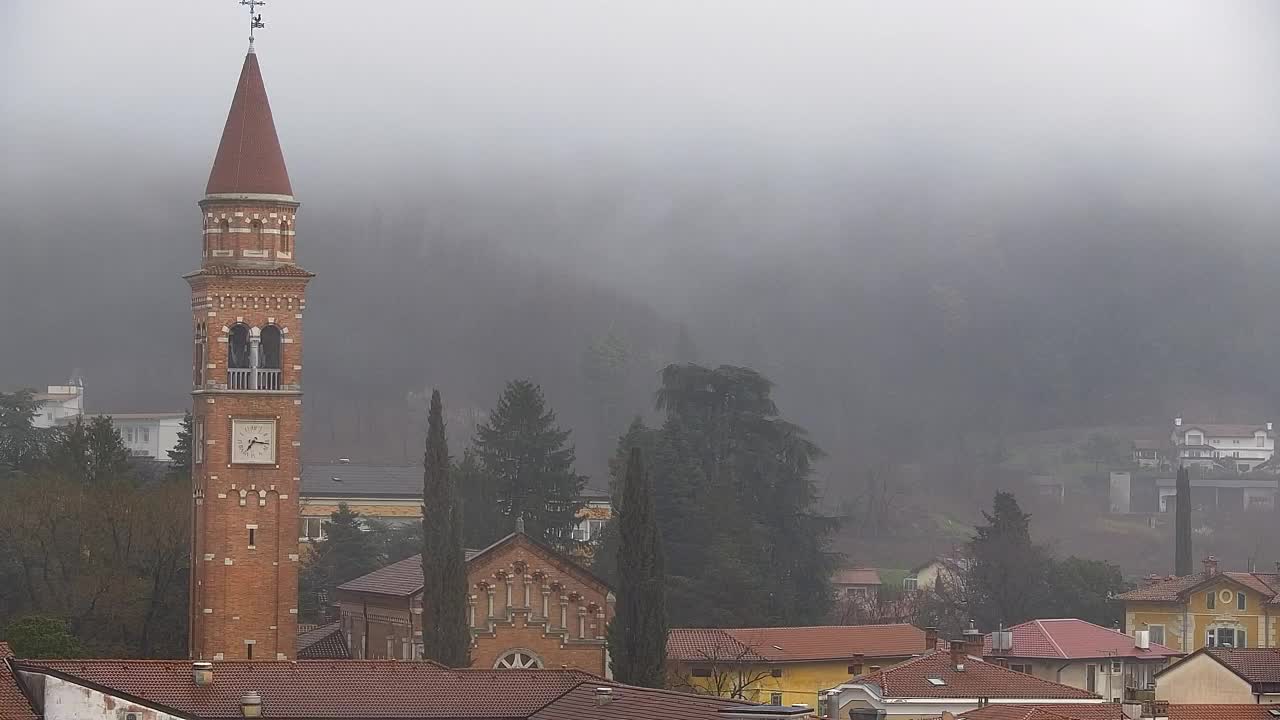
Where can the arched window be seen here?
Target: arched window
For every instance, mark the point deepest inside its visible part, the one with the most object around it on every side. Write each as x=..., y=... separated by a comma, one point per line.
x=258, y=243
x=518, y=659
x=238, y=347
x=286, y=241
x=224, y=235
x=270, y=349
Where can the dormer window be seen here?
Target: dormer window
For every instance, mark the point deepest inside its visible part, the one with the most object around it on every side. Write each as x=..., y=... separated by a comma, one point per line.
x=1195, y=438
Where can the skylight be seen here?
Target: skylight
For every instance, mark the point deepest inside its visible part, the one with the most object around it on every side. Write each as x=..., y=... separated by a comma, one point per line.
x=937, y=682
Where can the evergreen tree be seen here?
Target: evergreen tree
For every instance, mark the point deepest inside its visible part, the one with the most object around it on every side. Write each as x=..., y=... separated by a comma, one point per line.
x=91, y=452
x=445, y=635
x=39, y=636
x=482, y=518
x=638, y=633
x=180, y=454
x=1182, y=524
x=529, y=466
x=1009, y=573
x=346, y=552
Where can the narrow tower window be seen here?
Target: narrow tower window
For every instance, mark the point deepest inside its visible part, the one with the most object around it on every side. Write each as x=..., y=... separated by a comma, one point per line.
x=286, y=241
x=223, y=236
x=258, y=243
x=252, y=537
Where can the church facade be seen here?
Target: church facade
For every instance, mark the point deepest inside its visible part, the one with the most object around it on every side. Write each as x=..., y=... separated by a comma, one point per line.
x=248, y=298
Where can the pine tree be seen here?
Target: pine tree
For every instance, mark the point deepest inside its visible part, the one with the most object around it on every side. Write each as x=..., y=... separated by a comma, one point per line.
x=526, y=459
x=1009, y=574
x=346, y=552
x=445, y=635
x=180, y=454
x=638, y=633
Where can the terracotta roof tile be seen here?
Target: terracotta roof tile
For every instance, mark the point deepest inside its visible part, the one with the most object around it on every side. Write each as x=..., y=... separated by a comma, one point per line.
x=13, y=704
x=379, y=689
x=236, y=270
x=1255, y=665
x=632, y=704
x=978, y=679
x=795, y=644
x=1165, y=590
x=856, y=576
x=1066, y=711
x=323, y=643
x=249, y=159
x=1069, y=638
x=1184, y=711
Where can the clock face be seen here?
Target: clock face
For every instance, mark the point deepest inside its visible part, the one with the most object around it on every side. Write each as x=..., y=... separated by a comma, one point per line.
x=253, y=442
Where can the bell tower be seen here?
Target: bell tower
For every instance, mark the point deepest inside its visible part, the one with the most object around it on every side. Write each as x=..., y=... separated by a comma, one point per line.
x=247, y=305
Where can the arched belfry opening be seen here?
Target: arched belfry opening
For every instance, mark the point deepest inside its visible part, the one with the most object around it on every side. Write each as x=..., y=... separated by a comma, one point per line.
x=269, y=358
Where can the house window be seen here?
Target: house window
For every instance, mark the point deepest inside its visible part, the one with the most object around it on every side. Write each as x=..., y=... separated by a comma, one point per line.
x=1211, y=600
x=1226, y=637
x=855, y=669
x=1262, y=440
x=1022, y=668
x=313, y=528
x=909, y=583
x=128, y=434
x=776, y=672
x=1240, y=601
x=701, y=672
x=145, y=433
x=1117, y=667
x=1157, y=633
x=775, y=698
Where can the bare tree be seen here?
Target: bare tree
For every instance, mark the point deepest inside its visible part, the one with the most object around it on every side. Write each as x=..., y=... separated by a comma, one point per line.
x=725, y=668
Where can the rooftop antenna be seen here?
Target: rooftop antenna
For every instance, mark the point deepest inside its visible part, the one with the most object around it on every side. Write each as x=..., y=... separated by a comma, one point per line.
x=255, y=18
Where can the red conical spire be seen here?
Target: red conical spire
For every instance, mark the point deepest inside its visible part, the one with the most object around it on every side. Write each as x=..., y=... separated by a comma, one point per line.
x=249, y=160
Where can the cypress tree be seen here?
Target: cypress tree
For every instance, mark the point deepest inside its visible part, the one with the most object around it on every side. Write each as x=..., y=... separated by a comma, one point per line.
x=445, y=635
x=1182, y=525
x=638, y=634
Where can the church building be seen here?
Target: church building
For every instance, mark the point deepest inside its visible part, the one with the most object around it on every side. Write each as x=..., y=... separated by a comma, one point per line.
x=247, y=303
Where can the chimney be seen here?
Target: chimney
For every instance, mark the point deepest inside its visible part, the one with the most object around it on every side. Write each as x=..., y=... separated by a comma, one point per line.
x=604, y=695
x=202, y=673
x=1177, y=422
x=251, y=705
x=959, y=652
x=1151, y=579
x=1182, y=525
x=1268, y=426
x=1210, y=563
x=931, y=637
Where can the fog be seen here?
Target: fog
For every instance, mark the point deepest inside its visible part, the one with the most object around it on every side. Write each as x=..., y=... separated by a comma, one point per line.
x=934, y=225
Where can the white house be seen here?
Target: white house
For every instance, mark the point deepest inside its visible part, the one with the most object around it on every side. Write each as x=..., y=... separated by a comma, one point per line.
x=1213, y=444
x=59, y=404
x=149, y=435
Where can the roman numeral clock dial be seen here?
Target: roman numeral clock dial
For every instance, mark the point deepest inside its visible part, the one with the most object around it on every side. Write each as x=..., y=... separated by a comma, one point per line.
x=253, y=442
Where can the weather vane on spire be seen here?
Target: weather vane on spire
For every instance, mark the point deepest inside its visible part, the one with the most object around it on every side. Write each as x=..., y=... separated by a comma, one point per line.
x=255, y=17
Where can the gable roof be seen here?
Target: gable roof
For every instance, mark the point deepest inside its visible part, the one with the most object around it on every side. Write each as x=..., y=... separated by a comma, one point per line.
x=1176, y=589
x=794, y=644
x=375, y=689
x=404, y=578
x=13, y=703
x=856, y=576
x=326, y=642
x=249, y=160
x=1071, y=639
x=1256, y=666
x=1063, y=711
x=979, y=679
x=1221, y=429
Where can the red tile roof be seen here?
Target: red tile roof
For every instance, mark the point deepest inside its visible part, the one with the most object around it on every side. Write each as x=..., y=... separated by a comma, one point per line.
x=376, y=689
x=1254, y=665
x=1175, y=589
x=856, y=576
x=13, y=704
x=795, y=644
x=249, y=159
x=978, y=680
x=1069, y=638
x=1066, y=711
x=291, y=271
x=1185, y=711
x=633, y=704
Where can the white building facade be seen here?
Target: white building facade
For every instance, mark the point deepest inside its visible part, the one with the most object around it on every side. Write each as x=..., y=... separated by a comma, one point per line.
x=1244, y=447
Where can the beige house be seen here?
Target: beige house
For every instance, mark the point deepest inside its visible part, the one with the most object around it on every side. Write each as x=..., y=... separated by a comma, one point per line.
x=1223, y=675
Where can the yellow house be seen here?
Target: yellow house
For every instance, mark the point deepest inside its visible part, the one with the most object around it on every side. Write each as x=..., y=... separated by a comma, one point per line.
x=1208, y=609
x=785, y=666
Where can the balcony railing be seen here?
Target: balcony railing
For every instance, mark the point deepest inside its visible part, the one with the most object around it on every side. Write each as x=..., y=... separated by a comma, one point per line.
x=253, y=379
